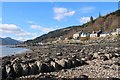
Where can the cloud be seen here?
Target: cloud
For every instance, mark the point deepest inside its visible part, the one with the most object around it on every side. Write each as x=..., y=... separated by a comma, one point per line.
x=22, y=38
x=87, y=9
x=35, y=26
x=84, y=19
x=13, y=29
x=41, y=28
x=31, y=22
x=61, y=13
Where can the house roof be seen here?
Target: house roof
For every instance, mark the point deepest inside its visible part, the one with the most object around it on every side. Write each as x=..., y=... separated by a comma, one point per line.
x=99, y=32
x=78, y=32
x=85, y=33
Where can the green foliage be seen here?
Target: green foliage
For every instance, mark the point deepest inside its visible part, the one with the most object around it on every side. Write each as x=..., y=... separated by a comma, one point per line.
x=118, y=12
x=91, y=19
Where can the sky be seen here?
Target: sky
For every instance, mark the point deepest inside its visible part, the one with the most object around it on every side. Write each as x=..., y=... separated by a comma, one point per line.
x=60, y=0
x=28, y=20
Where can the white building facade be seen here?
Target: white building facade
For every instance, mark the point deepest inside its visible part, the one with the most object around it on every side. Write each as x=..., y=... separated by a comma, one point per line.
x=93, y=35
x=83, y=34
x=76, y=35
x=104, y=34
x=118, y=30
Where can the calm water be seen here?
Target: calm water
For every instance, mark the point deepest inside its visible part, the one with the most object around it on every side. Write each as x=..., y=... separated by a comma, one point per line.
x=7, y=50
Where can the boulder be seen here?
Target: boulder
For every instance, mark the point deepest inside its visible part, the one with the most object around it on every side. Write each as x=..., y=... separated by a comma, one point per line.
x=18, y=69
x=38, y=63
x=76, y=62
x=116, y=55
x=95, y=55
x=103, y=57
x=56, y=66
x=26, y=69
x=82, y=50
x=16, y=60
x=46, y=68
x=74, y=56
x=62, y=63
x=83, y=59
x=83, y=76
x=48, y=60
x=109, y=56
x=10, y=71
x=34, y=69
x=59, y=54
x=4, y=73
x=79, y=62
x=69, y=63
x=78, y=50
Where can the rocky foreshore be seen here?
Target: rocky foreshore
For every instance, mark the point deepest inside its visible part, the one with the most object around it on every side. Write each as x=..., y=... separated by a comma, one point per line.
x=91, y=59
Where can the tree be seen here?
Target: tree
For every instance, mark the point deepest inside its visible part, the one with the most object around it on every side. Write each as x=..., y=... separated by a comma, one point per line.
x=99, y=15
x=91, y=19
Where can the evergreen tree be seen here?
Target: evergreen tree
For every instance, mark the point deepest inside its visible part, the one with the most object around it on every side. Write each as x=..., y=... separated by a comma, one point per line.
x=91, y=19
x=99, y=15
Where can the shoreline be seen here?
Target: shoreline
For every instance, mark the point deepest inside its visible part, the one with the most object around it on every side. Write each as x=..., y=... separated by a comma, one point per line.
x=98, y=59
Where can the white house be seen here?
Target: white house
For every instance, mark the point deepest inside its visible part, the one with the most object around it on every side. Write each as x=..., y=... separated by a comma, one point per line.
x=40, y=43
x=96, y=34
x=85, y=34
x=104, y=34
x=76, y=35
x=118, y=30
x=93, y=35
x=114, y=33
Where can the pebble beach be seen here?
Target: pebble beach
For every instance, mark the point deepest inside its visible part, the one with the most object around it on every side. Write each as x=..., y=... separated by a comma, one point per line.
x=90, y=59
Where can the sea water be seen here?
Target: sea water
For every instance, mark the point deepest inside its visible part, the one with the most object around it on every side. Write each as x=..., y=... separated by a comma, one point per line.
x=8, y=50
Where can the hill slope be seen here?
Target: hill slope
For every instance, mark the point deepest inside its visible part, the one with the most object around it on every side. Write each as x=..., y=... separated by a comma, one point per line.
x=107, y=23
x=8, y=41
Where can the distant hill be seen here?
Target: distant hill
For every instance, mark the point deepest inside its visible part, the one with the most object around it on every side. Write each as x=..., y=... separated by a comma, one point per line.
x=8, y=41
x=106, y=23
